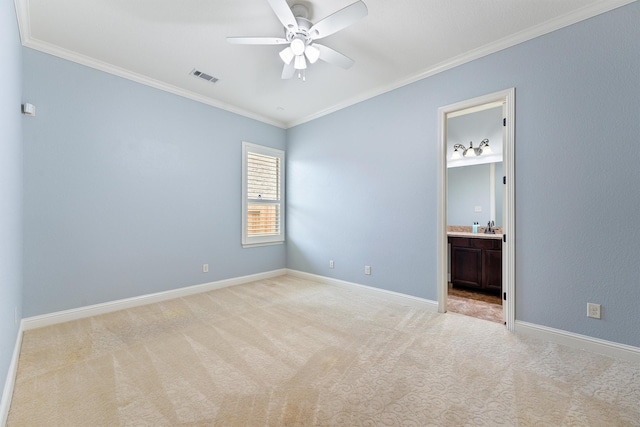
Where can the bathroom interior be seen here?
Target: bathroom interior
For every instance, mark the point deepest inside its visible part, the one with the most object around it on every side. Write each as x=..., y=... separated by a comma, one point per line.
x=475, y=205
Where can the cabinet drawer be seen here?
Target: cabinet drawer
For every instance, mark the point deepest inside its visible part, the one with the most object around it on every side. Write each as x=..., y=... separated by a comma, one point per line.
x=486, y=243
x=475, y=242
x=460, y=241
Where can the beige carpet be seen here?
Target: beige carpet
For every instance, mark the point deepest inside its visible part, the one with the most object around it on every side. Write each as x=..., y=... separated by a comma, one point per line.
x=290, y=352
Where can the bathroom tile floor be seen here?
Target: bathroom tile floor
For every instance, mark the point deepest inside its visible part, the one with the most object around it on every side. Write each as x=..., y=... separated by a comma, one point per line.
x=475, y=304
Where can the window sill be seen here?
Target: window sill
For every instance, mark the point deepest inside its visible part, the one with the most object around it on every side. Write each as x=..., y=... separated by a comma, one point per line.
x=254, y=245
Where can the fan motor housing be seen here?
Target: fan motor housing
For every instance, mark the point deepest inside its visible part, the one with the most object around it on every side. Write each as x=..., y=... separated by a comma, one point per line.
x=303, y=29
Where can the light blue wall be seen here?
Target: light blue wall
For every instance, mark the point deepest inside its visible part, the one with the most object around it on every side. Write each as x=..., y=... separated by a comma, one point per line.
x=361, y=191
x=10, y=184
x=129, y=190
x=362, y=181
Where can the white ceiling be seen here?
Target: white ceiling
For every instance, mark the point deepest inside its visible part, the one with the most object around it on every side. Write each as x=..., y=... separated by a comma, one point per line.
x=159, y=42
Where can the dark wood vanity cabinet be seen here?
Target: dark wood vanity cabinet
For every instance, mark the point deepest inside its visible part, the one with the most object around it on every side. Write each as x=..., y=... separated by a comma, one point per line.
x=476, y=263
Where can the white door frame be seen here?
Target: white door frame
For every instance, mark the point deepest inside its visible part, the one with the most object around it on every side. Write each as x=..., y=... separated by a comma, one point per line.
x=508, y=249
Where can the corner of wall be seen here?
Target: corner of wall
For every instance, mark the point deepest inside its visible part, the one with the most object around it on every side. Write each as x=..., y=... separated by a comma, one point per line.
x=7, y=392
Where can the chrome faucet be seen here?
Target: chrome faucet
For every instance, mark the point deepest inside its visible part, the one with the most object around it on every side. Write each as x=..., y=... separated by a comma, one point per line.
x=490, y=229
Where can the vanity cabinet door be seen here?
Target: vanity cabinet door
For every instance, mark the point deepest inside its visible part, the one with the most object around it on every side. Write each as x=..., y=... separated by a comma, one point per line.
x=492, y=270
x=466, y=267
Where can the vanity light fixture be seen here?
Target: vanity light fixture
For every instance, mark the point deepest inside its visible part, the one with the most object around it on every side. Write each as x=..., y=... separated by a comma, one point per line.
x=482, y=149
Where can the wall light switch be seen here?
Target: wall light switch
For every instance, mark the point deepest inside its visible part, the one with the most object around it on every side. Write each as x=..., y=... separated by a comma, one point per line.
x=367, y=270
x=477, y=209
x=205, y=268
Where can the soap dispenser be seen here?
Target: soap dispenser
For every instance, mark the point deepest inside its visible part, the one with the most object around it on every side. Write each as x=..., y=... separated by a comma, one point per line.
x=475, y=227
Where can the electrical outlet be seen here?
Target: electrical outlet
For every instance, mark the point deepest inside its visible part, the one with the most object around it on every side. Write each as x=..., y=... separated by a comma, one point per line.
x=331, y=264
x=205, y=268
x=367, y=270
x=593, y=310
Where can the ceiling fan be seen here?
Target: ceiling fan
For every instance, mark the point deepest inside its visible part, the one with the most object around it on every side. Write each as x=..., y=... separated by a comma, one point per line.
x=301, y=35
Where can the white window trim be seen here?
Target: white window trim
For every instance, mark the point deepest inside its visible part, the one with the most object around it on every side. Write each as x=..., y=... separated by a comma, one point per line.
x=253, y=241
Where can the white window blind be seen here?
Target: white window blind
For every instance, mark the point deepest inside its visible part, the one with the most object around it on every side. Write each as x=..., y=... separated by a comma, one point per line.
x=263, y=195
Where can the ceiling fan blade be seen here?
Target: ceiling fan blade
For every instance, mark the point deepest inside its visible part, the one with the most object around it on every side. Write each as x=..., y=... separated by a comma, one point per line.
x=332, y=57
x=256, y=40
x=284, y=14
x=339, y=20
x=288, y=71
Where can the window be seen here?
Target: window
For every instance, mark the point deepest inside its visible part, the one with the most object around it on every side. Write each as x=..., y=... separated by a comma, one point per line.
x=262, y=195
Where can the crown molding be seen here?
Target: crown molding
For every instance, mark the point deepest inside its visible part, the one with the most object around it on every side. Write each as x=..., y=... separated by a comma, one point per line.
x=24, y=25
x=504, y=43
x=24, y=22
x=140, y=78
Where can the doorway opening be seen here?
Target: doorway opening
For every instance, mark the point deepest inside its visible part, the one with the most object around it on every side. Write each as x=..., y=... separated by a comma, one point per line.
x=476, y=221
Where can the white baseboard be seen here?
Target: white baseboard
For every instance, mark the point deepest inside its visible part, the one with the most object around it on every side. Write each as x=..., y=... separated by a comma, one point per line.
x=109, y=307
x=394, y=296
x=7, y=391
x=583, y=342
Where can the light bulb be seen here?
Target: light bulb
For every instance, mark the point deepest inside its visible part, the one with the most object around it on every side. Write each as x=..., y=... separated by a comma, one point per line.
x=470, y=152
x=312, y=53
x=300, y=63
x=287, y=55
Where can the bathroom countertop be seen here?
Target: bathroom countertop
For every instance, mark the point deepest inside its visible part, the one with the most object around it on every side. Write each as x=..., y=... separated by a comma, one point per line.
x=473, y=235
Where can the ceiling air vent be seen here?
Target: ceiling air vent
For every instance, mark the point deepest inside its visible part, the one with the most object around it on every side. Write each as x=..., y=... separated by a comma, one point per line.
x=203, y=76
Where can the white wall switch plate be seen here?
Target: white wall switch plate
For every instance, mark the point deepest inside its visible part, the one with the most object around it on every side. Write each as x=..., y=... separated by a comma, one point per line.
x=205, y=268
x=477, y=209
x=28, y=109
x=367, y=270
x=331, y=265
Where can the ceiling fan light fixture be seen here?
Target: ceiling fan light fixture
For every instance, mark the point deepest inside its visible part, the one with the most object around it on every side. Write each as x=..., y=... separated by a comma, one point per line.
x=287, y=55
x=300, y=63
x=312, y=53
x=300, y=35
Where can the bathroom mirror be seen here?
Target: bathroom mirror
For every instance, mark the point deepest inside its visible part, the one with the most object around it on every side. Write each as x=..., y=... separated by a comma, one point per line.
x=474, y=193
